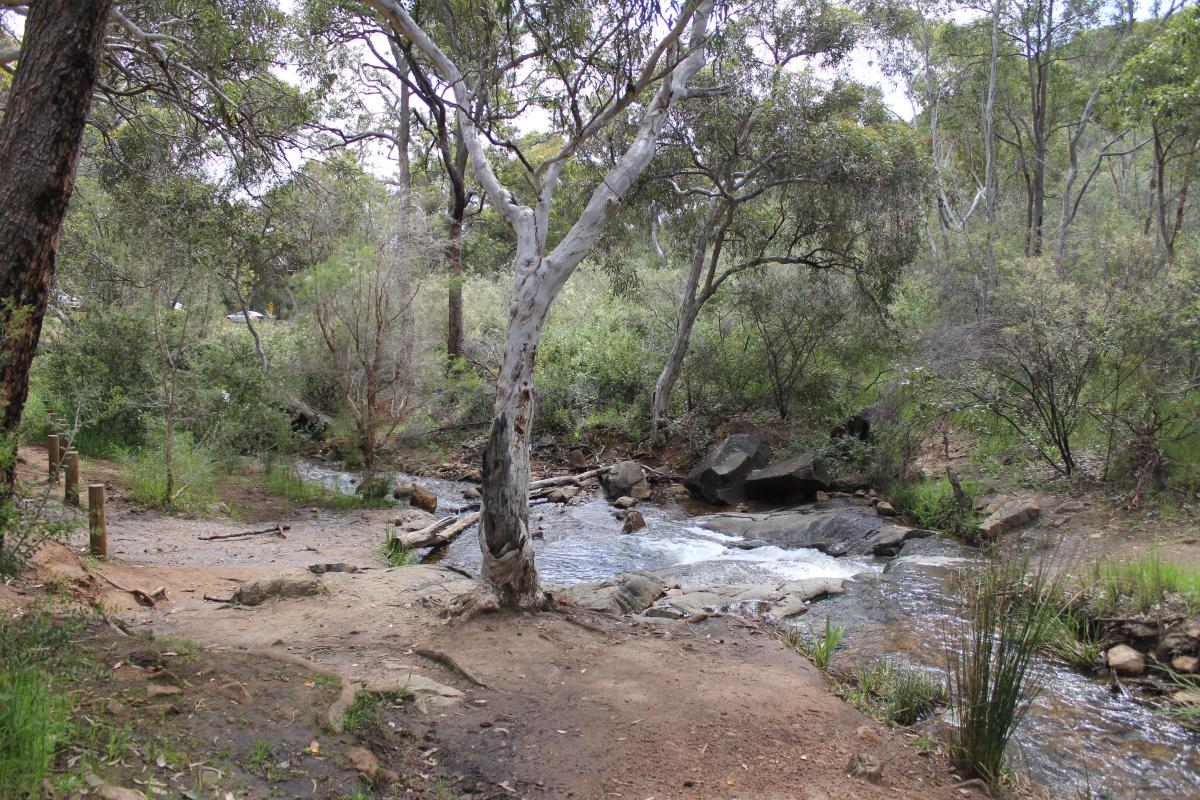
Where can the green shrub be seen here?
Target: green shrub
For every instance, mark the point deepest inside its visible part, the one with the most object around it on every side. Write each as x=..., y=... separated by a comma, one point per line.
x=193, y=466
x=895, y=693
x=34, y=710
x=933, y=504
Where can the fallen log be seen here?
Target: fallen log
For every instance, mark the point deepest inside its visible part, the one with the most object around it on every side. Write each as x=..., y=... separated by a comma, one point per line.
x=442, y=532
x=278, y=529
x=565, y=480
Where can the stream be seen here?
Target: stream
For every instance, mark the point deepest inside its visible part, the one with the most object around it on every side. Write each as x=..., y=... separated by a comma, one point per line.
x=1077, y=737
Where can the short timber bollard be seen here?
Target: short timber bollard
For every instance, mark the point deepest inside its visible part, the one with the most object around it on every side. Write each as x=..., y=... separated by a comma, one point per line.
x=98, y=538
x=71, y=489
x=53, y=454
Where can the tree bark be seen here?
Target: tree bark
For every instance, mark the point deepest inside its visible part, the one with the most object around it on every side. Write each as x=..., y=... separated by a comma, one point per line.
x=40, y=138
x=988, y=270
x=454, y=295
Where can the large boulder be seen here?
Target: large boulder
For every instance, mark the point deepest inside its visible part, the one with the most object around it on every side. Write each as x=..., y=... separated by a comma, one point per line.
x=1010, y=516
x=798, y=478
x=721, y=476
x=625, y=479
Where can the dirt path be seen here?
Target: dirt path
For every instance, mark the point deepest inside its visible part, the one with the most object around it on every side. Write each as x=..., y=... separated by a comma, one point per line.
x=525, y=705
x=579, y=706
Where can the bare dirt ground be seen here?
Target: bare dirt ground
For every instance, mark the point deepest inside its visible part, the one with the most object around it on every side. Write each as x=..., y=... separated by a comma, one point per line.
x=556, y=704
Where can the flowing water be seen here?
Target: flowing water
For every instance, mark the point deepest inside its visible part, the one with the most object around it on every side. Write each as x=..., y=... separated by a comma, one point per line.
x=1078, y=737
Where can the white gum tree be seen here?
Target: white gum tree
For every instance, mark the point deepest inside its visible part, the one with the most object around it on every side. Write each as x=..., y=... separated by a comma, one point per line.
x=614, y=68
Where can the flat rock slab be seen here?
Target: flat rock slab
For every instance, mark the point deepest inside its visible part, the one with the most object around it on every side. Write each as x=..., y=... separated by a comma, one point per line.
x=774, y=600
x=835, y=528
x=296, y=583
x=629, y=591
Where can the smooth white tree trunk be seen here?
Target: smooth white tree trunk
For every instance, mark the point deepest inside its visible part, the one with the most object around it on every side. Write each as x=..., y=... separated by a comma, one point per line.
x=538, y=276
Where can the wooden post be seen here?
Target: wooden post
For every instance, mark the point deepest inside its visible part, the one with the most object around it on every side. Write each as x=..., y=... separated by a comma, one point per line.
x=53, y=454
x=98, y=538
x=71, y=488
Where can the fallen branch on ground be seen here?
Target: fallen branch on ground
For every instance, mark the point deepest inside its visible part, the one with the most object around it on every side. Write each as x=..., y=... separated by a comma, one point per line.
x=278, y=529
x=141, y=595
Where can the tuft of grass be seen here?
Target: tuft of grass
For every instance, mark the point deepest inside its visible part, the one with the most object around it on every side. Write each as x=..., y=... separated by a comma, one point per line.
x=284, y=481
x=260, y=752
x=933, y=504
x=35, y=710
x=895, y=693
x=1070, y=638
x=395, y=554
x=1143, y=584
x=819, y=648
x=1006, y=613
x=33, y=720
x=365, y=716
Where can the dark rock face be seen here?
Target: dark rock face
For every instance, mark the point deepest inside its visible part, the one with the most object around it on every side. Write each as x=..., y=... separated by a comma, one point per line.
x=799, y=478
x=721, y=476
x=837, y=529
x=859, y=424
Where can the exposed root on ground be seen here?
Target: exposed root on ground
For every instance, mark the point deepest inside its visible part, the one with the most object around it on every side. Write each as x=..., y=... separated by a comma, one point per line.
x=449, y=663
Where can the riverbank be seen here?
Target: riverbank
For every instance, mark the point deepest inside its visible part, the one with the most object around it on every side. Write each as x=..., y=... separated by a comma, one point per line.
x=372, y=625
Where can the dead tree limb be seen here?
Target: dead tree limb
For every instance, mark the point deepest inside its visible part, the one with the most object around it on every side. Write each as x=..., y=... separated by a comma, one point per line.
x=278, y=529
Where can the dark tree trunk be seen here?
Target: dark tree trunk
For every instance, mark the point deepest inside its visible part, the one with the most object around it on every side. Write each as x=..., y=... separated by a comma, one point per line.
x=454, y=317
x=40, y=139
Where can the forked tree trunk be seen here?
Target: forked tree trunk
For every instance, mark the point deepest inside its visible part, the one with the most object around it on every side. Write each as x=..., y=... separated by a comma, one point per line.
x=40, y=138
x=538, y=277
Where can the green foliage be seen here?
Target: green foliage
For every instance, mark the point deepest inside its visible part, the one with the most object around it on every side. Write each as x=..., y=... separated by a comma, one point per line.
x=35, y=709
x=1143, y=584
x=283, y=480
x=819, y=647
x=23, y=529
x=395, y=554
x=933, y=504
x=99, y=370
x=193, y=465
x=1162, y=80
x=894, y=692
x=1005, y=614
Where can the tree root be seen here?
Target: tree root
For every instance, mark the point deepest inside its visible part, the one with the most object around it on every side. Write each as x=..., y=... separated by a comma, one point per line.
x=449, y=663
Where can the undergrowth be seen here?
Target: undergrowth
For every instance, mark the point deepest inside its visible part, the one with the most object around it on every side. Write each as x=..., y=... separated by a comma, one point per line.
x=1143, y=584
x=35, y=706
x=893, y=692
x=932, y=503
x=284, y=481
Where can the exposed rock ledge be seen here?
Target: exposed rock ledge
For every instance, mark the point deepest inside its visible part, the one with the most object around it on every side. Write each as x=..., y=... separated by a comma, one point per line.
x=836, y=527
x=654, y=593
